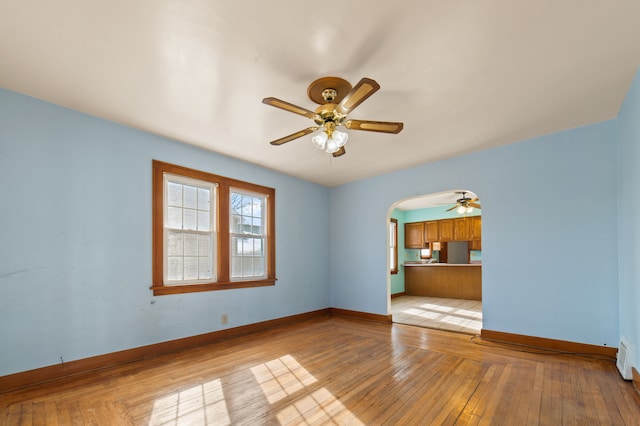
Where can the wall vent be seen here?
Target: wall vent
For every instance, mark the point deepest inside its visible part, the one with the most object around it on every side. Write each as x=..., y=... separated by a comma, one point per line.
x=625, y=358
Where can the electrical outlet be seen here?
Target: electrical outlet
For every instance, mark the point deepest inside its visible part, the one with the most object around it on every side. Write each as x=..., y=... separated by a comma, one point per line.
x=224, y=319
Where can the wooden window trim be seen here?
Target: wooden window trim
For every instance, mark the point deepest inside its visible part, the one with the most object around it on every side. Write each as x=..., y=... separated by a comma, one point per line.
x=223, y=263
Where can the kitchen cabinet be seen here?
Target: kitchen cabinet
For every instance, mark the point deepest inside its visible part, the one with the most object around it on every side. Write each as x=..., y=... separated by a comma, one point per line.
x=475, y=245
x=419, y=234
x=446, y=229
x=431, y=231
x=461, y=229
x=475, y=228
x=414, y=235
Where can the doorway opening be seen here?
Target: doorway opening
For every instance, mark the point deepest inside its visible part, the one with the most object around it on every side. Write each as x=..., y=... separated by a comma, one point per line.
x=438, y=277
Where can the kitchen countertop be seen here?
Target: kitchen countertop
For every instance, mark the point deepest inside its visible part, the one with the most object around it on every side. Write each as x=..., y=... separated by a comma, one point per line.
x=441, y=264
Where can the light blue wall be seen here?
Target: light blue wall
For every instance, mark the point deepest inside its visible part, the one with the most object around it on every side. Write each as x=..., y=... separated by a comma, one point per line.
x=75, y=252
x=629, y=224
x=549, y=265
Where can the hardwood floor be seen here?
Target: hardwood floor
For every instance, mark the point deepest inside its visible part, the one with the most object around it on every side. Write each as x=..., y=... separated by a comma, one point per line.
x=334, y=370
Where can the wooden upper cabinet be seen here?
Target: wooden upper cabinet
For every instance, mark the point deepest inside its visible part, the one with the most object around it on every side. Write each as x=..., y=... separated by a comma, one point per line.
x=446, y=229
x=461, y=229
x=419, y=234
x=414, y=235
x=475, y=245
x=431, y=231
x=475, y=227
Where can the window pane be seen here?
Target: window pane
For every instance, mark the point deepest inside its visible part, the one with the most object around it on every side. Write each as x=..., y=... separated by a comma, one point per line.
x=236, y=200
x=190, y=268
x=257, y=207
x=174, y=218
x=203, y=199
x=174, y=194
x=257, y=247
x=190, y=197
x=174, y=268
x=204, y=268
x=204, y=245
x=204, y=221
x=190, y=245
x=257, y=226
x=190, y=220
x=245, y=205
x=258, y=266
x=236, y=263
x=175, y=244
x=235, y=224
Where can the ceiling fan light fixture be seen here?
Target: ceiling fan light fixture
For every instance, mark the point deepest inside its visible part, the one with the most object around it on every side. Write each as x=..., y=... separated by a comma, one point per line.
x=332, y=146
x=319, y=140
x=464, y=209
x=340, y=138
x=329, y=139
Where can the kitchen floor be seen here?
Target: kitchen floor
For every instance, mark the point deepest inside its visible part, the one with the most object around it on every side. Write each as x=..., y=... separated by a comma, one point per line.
x=462, y=316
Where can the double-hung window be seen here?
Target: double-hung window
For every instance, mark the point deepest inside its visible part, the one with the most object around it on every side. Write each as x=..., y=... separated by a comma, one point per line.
x=189, y=230
x=393, y=246
x=210, y=232
x=248, y=234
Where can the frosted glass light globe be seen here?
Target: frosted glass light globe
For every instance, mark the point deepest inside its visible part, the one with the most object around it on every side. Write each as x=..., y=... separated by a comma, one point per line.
x=319, y=140
x=340, y=138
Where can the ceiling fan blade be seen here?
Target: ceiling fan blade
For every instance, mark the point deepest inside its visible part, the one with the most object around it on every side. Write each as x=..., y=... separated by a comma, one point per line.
x=278, y=103
x=360, y=92
x=477, y=206
x=374, y=126
x=448, y=210
x=293, y=136
x=473, y=200
x=339, y=152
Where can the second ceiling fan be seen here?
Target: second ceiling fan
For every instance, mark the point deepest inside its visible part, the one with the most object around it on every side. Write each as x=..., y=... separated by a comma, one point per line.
x=465, y=204
x=337, y=98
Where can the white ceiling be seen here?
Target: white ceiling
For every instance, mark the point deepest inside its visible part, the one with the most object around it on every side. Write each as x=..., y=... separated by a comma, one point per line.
x=462, y=75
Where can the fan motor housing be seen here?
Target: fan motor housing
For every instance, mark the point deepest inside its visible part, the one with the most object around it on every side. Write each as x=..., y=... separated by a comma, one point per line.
x=327, y=112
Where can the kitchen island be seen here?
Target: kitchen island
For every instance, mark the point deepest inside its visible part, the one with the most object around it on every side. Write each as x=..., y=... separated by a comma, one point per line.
x=453, y=281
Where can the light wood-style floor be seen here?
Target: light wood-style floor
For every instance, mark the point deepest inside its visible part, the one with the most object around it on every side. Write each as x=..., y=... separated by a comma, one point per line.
x=334, y=370
x=462, y=316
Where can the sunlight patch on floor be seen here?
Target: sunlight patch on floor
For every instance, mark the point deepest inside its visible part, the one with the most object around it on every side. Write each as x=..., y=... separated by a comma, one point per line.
x=202, y=404
x=321, y=407
x=281, y=377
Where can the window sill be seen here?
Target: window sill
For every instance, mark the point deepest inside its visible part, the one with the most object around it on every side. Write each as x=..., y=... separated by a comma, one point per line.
x=192, y=288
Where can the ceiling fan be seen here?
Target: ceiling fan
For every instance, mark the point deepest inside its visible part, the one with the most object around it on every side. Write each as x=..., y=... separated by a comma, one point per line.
x=337, y=98
x=465, y=204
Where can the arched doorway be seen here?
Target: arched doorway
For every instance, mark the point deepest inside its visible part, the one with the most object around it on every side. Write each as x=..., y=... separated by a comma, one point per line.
x=438, y=283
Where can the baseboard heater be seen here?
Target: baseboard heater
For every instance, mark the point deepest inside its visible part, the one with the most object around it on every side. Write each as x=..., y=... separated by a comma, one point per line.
x=625, y=359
